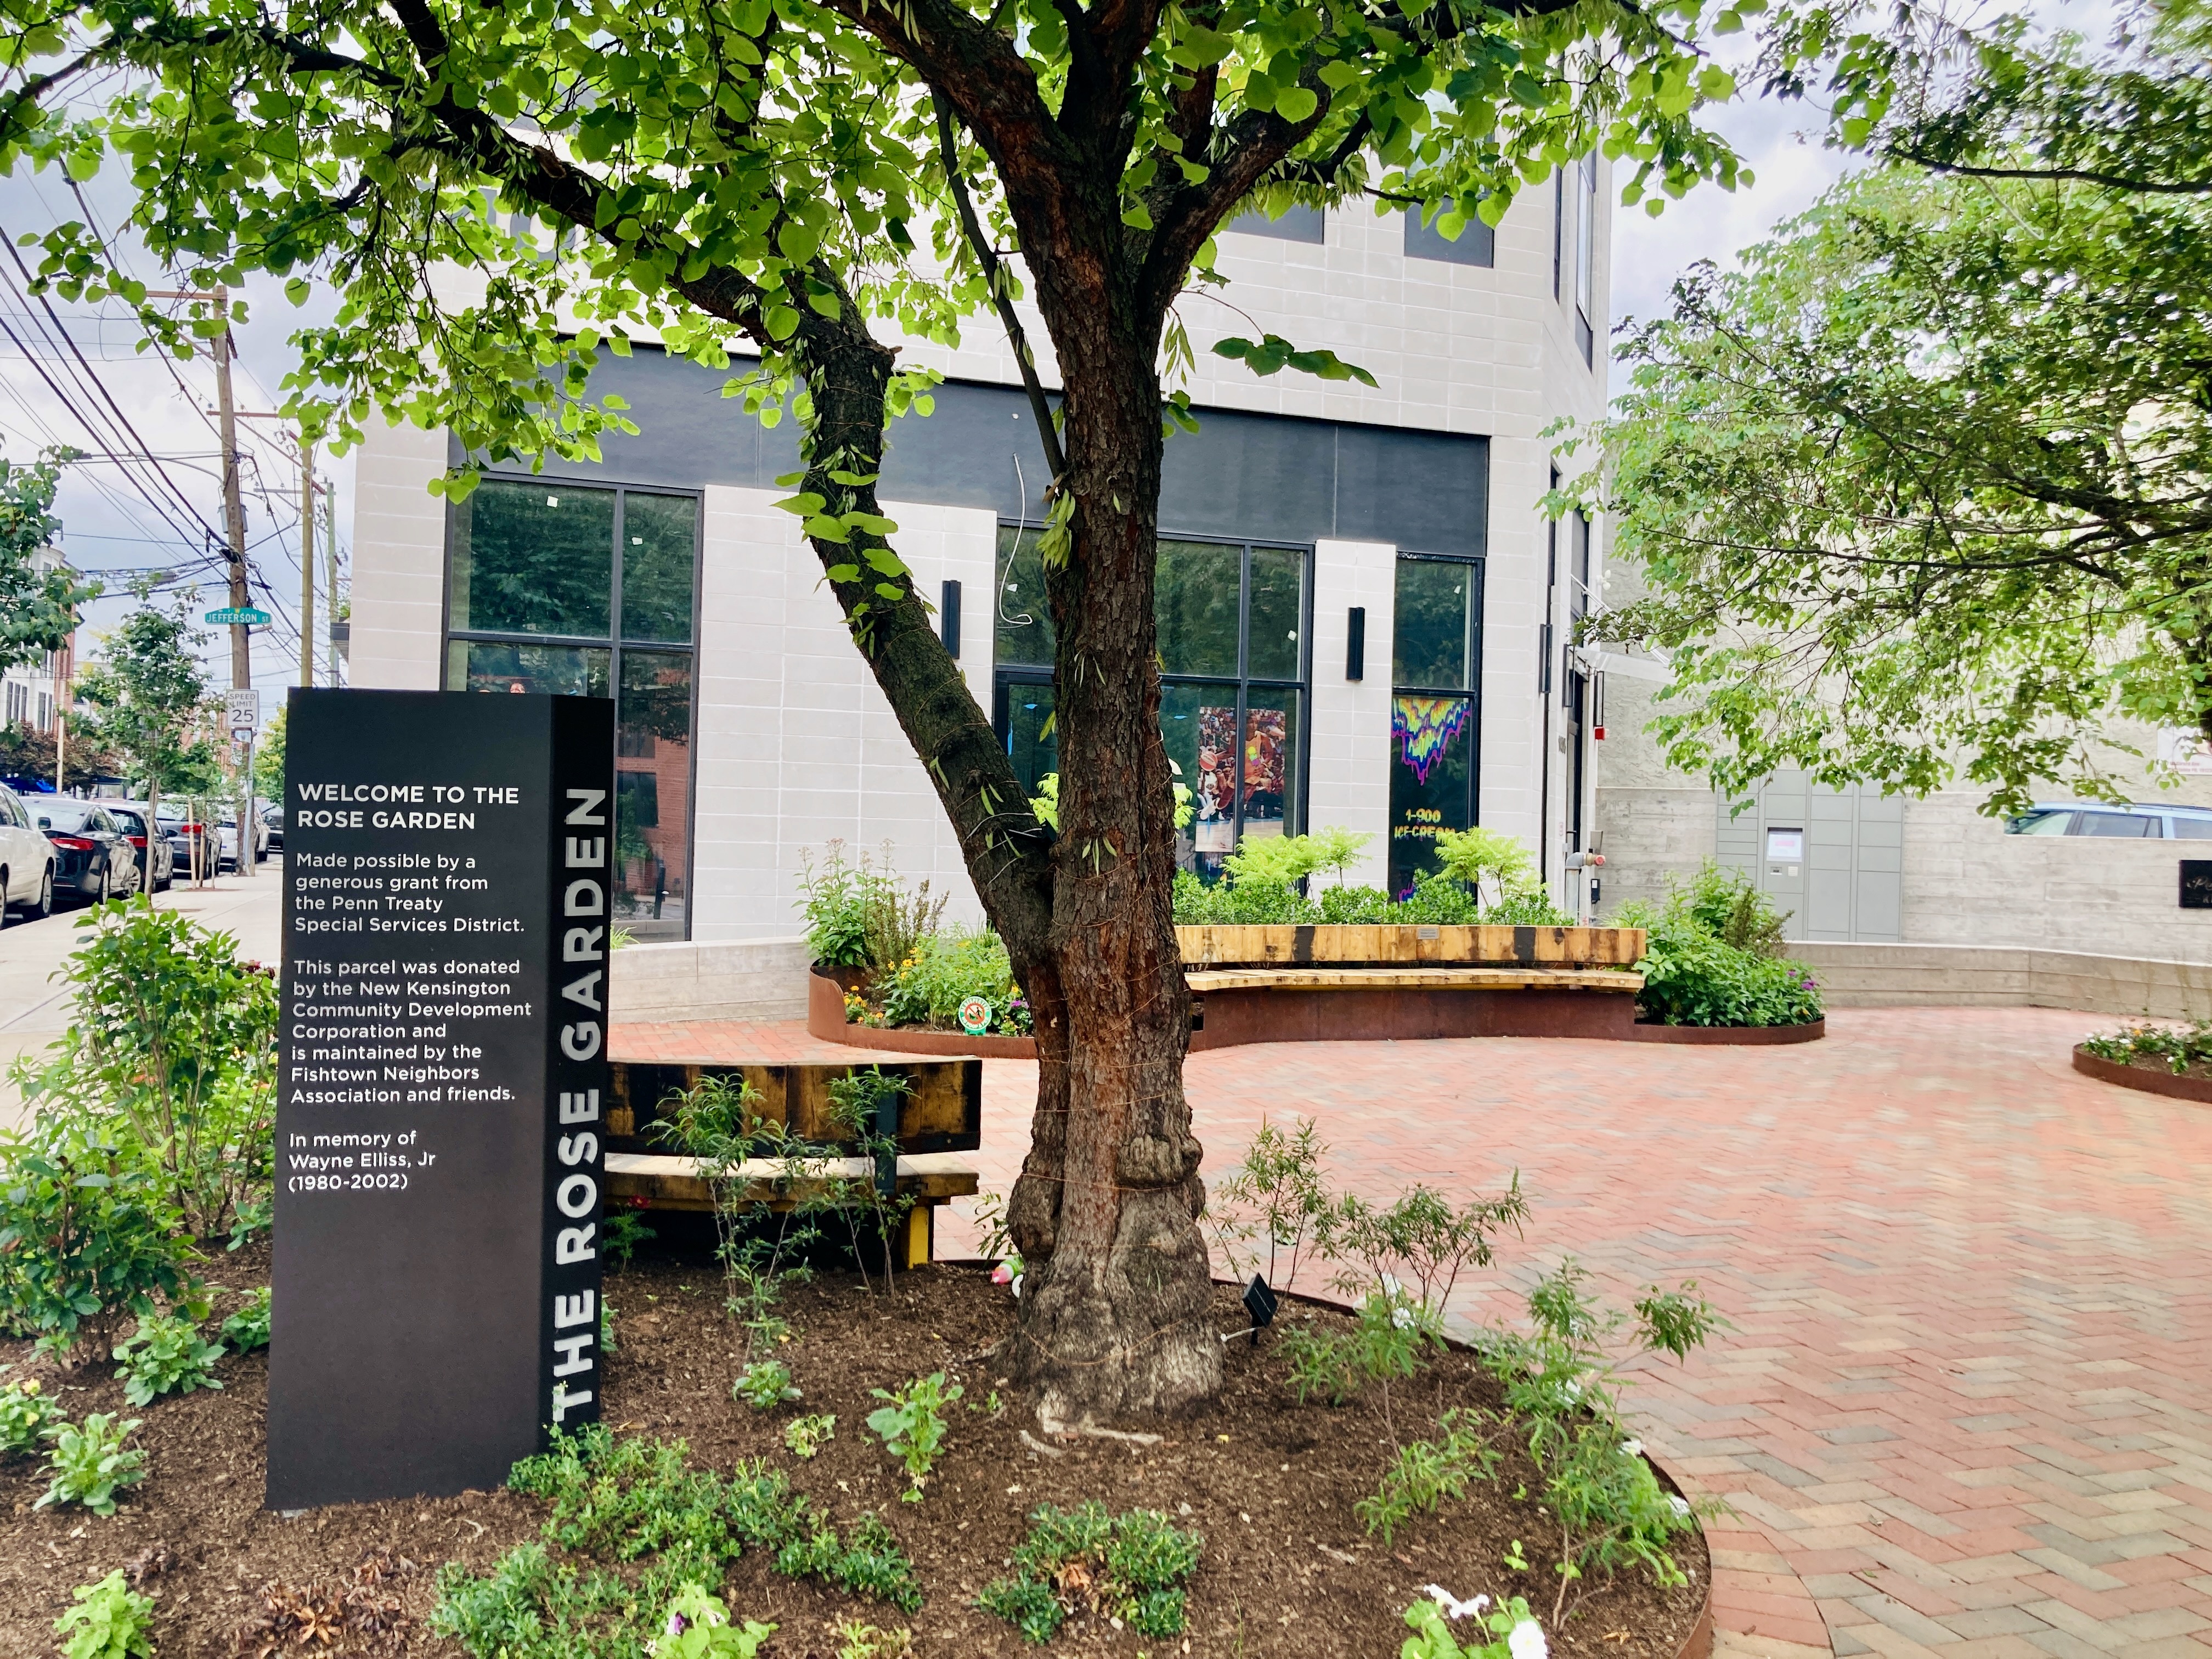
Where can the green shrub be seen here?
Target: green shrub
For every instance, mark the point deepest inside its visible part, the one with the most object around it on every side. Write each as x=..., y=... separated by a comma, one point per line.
x=1433, y=901
x=26, y=1415
x=86, y=1237
x=633, y=1500
x=836, y=908
x=764, y=1385
x=944, y=971
x=2178, y=1048
x=805, y=1436
x=623, y=1231
x=172, y=1057
x=1561, y=1390
x=248, y=1328
x=1713, y=956
x=166, y=1354
x=110, y=1620
x=697, y=1626
x=912, y=1426
x=1509, y=1620
x=90, y=1462
x=1427, y=1472
x=1135, y=1567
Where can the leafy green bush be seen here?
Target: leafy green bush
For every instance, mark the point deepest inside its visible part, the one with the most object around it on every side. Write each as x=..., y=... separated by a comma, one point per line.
x=1427, y=1472
x=1712, y=957
x=248, y=1328
x=946, y=969
x=697, y=1626
x=912, y=1426
x=764, y=1385
x=629, y=1500
x=26, y=1415
x=1519, y=1634
x=87, y=1236
x=172, y=1055
x=836, y=908
x=1434, y=901
x=110, y=1620
x=805, y=1436
x=1134, y=1567
x=2178, y=1048
x=166, y=1354
x=1561, y=1388
x=90, y=1461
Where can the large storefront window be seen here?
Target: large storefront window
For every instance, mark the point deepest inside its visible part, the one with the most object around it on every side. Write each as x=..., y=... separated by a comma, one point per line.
x=539, y=571
x=1435, y=724
x=1232, y=619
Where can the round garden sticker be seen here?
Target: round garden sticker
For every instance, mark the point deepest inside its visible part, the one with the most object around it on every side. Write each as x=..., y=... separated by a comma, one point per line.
x=976, y=1016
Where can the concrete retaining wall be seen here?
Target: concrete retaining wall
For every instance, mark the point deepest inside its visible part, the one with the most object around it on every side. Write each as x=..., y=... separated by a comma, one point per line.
x=1969, y=976
x=740, y=979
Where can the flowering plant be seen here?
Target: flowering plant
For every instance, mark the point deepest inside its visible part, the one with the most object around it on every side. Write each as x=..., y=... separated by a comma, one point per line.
x=698, y=1627
x=1520, y=1636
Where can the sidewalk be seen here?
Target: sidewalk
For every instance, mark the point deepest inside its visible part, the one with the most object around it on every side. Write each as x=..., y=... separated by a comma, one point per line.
x=1966, y=1409
x=34, y=1008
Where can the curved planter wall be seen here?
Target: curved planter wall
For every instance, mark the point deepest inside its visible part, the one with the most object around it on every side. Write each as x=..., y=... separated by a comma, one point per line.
x=2195, y=1089
x=1731, y=1036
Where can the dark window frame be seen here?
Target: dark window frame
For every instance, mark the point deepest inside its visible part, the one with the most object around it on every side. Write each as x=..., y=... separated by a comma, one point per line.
x=612, y=642
x=1005, y=675
x=1478, y=624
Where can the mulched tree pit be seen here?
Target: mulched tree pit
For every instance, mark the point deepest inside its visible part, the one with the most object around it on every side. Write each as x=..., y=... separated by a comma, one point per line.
x=1286, y=1569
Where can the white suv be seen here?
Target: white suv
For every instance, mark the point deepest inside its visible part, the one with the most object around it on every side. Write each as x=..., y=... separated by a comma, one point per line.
x=27, y=861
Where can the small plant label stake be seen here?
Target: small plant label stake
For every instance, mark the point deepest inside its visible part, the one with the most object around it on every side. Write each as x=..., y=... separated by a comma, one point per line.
x=1260, y=1302
x=449, y=881
x=975, y=1016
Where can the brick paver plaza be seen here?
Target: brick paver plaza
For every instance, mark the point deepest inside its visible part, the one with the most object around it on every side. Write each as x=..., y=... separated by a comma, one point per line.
x=1964, y=1409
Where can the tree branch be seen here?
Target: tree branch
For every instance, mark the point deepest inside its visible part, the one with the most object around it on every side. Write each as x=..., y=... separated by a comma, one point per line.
x=1001, y=292
x=2075, y=175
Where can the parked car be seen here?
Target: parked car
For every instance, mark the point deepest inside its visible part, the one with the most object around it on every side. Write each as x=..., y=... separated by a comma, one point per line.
x=272, y=820
x=226, y=830
x=131, y=817
x=27, y=860
x=2133, y=823
x=180, y=831
x=93, y=858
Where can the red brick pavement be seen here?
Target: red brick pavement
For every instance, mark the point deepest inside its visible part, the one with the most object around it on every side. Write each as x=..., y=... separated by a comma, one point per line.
x=1963, y=1408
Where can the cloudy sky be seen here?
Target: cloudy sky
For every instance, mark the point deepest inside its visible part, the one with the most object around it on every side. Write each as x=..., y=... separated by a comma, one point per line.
x=110, y=529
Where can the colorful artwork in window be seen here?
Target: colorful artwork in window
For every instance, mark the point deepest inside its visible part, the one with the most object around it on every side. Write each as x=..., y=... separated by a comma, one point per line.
x=1214, y=795
x=1424, y=727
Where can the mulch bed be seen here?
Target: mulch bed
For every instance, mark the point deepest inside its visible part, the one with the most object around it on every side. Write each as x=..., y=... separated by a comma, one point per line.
x=1286, y=1569
x=2152, y=1074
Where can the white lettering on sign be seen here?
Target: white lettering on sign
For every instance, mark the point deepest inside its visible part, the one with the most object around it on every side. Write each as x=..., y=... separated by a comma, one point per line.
x=573, y=1328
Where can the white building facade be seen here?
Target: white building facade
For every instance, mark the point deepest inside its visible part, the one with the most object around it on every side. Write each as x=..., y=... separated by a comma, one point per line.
x=1363, y=608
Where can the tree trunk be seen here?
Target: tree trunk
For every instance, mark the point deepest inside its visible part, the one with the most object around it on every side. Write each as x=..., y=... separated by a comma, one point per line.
x=1114, y=1303
x=1114, y=1299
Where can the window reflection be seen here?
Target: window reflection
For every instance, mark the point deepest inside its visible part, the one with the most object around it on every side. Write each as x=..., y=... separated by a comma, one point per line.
x=538, y=557
x=532, y=558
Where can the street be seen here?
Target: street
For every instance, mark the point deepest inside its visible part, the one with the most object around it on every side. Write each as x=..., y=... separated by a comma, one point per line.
x=34, y=1008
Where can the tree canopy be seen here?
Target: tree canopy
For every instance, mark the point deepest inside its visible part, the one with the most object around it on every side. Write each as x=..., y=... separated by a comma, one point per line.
x=498, y=194
x=1924, y=490
x=147, y=693
x=37, y=608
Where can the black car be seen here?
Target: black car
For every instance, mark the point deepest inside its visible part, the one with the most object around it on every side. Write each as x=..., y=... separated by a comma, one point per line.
x=93, y=859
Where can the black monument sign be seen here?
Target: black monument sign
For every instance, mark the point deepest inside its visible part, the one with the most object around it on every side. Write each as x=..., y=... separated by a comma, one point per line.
x=449, y=863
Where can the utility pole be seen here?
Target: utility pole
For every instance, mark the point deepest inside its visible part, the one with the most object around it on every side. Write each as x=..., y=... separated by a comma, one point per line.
x=233, y=508
x=234, y=513
x=306, y=559
x=330, y=570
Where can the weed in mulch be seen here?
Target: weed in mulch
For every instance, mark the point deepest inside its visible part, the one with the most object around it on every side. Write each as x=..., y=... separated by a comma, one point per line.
x=323, y=1613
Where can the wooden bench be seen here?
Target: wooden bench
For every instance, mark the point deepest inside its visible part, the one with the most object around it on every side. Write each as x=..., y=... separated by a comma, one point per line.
x=941, y=1117
x=1290, y=1004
